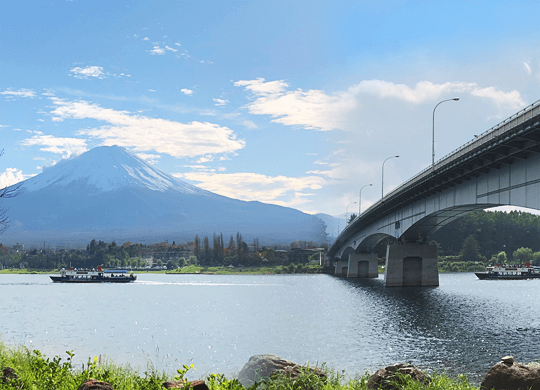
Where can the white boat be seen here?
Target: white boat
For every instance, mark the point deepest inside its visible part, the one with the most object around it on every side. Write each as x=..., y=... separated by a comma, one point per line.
x=93, y=276
x=510, y=272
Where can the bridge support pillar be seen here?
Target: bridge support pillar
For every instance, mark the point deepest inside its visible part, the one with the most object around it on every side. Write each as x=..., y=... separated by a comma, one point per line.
x=363, y=265
x=411, y=265
x=341, y=268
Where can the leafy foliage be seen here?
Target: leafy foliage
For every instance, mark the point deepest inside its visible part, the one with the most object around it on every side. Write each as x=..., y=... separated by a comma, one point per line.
x=494, y=232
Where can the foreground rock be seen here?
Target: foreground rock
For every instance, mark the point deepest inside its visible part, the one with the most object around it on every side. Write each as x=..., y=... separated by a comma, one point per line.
x=260, y=367
x=510, y=375
x=93, y=384
x=194, y=385
x=393, y=377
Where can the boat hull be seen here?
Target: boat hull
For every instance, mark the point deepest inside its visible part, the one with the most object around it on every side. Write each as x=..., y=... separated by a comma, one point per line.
x=97, y=279
x=490, y=276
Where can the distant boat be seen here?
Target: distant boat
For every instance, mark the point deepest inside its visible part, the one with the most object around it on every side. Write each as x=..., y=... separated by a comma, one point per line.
x=508, y=272
x=93, y=276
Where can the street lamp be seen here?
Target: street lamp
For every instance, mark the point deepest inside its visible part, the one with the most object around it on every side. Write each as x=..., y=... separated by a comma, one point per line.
x=347, y=213
x=433, y=134
x=360, y=199
x=382, y=179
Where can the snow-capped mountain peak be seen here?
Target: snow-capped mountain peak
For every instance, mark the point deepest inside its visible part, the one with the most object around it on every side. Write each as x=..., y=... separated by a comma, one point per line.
x=107, y=168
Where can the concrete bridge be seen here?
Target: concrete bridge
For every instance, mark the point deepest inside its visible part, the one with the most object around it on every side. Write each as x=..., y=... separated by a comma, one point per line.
x=499, y=167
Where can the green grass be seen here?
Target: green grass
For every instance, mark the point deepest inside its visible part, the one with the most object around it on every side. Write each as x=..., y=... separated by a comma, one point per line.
x=38, y=372
x=28, y=271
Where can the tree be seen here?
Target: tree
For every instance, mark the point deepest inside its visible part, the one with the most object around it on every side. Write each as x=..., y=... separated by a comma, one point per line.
x=522, y=255
x=469, y=251
x=501, y=257
x=196, y=246
x=172, y=264
x=352, y=218
x=231, y=248
x=536, y=258
x=206, y=250
x=6, y=193
x=239, y=246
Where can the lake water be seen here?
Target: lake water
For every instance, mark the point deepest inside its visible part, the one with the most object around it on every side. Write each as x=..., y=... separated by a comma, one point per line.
x=217, y=322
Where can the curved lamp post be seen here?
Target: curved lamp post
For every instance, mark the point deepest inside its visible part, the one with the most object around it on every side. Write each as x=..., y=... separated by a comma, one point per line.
x=360, y=199
x=382, y=179
x=347, y=213
x=433, y=134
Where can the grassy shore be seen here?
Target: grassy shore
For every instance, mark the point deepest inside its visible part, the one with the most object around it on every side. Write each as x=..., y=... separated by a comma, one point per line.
x=36, y=371
x=280, y=269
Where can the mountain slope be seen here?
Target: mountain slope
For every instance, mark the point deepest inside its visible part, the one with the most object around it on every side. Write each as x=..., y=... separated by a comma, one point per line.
x=107, y=193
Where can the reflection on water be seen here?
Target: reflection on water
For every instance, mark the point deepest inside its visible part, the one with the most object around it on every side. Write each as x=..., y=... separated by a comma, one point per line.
x=218, y=321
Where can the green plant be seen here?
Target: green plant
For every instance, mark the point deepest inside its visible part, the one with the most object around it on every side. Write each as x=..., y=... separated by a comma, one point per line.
x=181, y=372
x=48, y=373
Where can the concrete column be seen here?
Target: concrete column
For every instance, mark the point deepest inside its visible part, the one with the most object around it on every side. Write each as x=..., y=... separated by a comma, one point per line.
x=411, y=265
x=363, y=265
x=341, y=268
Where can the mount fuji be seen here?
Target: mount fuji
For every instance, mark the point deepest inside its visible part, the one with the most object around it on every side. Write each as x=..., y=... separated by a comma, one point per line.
x=109, y=194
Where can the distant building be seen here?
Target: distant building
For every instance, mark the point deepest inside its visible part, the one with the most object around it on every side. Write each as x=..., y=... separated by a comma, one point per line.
x=18, y=247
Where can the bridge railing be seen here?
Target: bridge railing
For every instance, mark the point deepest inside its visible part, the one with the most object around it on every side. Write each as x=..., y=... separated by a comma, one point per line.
x=487, y=136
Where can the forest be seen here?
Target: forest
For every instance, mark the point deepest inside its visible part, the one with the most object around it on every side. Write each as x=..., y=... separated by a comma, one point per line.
x=488, y=233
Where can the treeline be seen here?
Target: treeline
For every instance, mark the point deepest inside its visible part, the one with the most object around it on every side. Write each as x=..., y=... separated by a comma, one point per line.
x=172, y=256
x=238, y=252
x=485, y=236
x=97, y=253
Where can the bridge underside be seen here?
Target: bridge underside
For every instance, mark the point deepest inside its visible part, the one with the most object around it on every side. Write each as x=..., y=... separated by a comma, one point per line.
x=425, y=227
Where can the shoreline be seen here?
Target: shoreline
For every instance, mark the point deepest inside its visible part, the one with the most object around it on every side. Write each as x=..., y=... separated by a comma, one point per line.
x=36, y=370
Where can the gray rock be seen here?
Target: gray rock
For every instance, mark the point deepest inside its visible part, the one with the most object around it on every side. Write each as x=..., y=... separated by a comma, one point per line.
x=93, y=384
x=193, y=385
x=512, y=376
x=260, y=367
x=508, y=359
x=392, y=377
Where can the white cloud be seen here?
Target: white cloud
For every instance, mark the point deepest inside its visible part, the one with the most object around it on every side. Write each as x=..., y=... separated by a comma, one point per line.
x=11, y=176
x=205, y=159
x=311, y=109
x=89, y=71
x=146, y=39
x=280, y=190
x=157, y=51
x=150, y=158
x=27, y=93
x=426, y=91
x=527, y=67
x=220, y=102
x=144, y=134
x=314, y=109
x=249, y=124
x=510, y=100
x=67, y=147
x=186, y=91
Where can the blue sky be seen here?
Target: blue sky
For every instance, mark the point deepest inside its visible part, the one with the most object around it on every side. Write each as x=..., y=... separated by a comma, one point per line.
x=295, y=103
